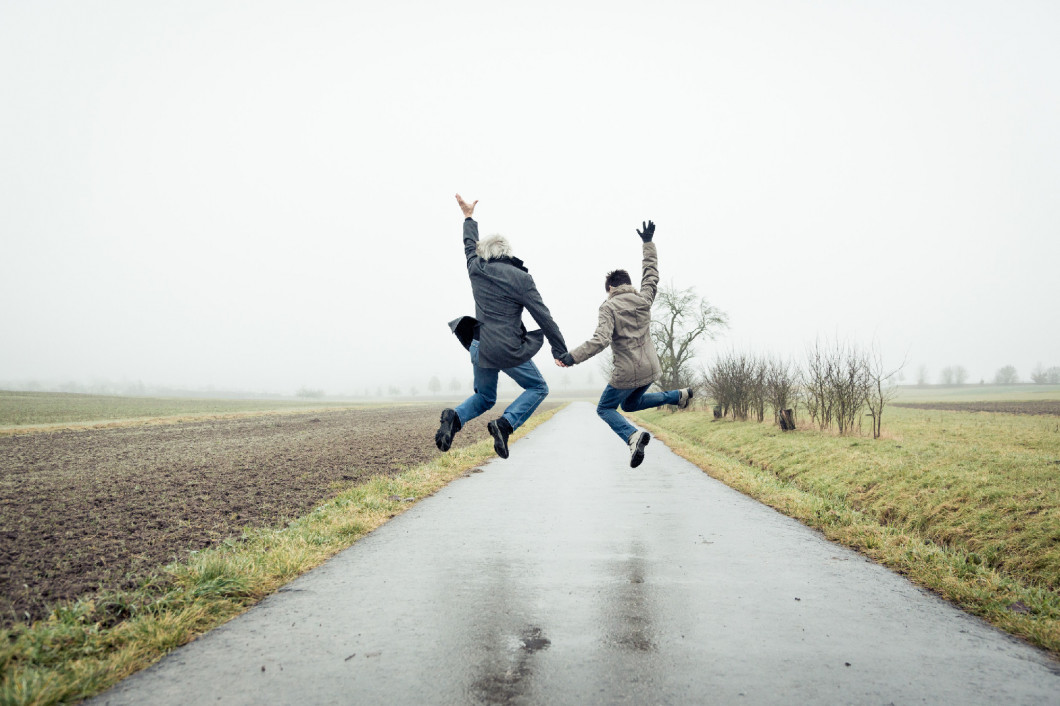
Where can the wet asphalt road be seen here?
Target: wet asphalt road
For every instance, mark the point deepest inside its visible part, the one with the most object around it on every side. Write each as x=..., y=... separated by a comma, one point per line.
x=562, y=576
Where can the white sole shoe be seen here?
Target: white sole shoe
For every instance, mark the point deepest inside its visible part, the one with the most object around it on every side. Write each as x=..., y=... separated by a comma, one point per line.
x=637, y=442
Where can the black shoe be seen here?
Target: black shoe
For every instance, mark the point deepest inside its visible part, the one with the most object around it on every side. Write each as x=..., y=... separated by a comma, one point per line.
x=684, y=397
x=500, y=429
x=637, y=442
x=447, y=430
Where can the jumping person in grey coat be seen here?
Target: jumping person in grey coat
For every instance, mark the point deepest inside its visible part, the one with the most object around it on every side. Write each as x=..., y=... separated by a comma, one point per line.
x=496, y=338
x=624, y=324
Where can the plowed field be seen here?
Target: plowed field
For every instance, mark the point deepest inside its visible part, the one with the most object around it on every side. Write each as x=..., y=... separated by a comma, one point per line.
x=1031, y=407
x=102, y=508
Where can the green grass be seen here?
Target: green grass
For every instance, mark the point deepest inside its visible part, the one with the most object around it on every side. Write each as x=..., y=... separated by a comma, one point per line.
x=965, y=504
x=20, y=409
x=87, y=646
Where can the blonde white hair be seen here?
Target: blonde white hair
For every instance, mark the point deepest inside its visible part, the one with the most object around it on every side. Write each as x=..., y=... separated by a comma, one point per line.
x=493, y=247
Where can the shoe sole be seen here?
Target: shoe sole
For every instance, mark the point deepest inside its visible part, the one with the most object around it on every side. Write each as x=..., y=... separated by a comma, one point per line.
x=638, y=455
x=499, y=444
x=688, y=400
x=441, y=439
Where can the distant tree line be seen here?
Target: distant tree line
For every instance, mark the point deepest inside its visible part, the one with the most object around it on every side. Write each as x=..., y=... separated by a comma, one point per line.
x=1042, y=376
x=1006, y=375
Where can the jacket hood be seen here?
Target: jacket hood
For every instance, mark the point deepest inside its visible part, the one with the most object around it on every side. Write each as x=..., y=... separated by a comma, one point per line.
x=621, y=289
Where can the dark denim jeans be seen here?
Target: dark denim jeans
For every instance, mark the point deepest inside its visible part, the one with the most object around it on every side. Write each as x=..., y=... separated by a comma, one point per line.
x=526, y=375
x=630, y=401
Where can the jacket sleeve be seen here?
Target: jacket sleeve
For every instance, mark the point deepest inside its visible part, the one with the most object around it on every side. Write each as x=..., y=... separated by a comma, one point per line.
x=470, y=240
x=649, y=283
x=605, y=329
x=534, y=304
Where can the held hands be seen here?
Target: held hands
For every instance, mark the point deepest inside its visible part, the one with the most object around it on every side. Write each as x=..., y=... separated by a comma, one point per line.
x=468, y=210
x=565, y=361
x=649, y=231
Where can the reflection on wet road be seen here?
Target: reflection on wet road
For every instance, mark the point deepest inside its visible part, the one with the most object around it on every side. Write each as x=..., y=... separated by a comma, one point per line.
x=629, y=606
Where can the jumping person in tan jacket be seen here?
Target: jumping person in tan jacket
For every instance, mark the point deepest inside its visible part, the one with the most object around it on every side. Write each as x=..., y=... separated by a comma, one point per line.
x=624, y=324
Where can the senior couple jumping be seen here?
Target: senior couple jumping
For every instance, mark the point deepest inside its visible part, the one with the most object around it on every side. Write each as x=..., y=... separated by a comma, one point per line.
x=498, y=342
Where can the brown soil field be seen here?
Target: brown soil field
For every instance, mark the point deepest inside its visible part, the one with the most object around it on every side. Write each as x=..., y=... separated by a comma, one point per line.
x=98, y=509
x=1029, y=407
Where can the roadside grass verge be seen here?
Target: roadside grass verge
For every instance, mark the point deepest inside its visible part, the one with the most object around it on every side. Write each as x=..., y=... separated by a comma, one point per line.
x=86, y=646
x=964, y=504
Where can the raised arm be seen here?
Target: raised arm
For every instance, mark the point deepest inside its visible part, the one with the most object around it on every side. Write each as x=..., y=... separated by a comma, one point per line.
x=649, y=282
x=470, y=229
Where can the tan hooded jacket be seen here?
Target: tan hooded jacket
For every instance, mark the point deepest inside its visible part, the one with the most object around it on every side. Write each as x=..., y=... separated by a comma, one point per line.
x=625, y=325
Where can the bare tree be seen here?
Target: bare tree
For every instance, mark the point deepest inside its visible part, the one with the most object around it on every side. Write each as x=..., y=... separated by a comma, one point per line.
x=850, y=387
x=434, y=385
x=922, y=377
x=946, y=376
x=1041, y=376
x=731, y=381
x=836, y=385
x=818, y=373
x=881, y=387
x=954, y=375
x=1006, y=376
x=681, y=317
x=1038, y=376
x=782, y=389
x=758, y=388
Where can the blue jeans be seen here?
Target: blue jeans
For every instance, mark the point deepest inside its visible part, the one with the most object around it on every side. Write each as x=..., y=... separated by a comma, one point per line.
x=526, y=375
x=630, y=401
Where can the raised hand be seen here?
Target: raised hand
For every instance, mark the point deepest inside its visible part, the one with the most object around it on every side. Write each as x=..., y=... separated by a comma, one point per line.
x=649, y=231
x=468, y=210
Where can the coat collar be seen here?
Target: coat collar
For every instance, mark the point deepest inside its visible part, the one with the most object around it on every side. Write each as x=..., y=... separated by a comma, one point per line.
x=620, y=289
x=513, y=261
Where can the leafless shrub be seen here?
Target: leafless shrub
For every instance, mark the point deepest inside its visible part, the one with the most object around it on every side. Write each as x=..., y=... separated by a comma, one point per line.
x=836, y=384
x=736, y=383
x=782, y=386
x=882, y=388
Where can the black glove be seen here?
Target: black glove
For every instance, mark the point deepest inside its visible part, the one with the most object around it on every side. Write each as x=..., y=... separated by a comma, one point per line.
x=649, y=231
x=567, y=358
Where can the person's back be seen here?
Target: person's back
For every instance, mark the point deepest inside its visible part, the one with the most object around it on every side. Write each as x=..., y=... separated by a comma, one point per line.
x=635, y=359
x=496, y=339
x=625, y=325
x=502, y=288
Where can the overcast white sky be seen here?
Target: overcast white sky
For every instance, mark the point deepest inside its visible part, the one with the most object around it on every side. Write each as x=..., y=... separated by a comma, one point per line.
x=259, y=195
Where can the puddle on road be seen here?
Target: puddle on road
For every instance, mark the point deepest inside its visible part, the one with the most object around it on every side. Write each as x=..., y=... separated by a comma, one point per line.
x=505, y=680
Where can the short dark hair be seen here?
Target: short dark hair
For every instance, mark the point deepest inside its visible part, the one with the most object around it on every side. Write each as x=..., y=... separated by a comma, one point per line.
x=617, y=277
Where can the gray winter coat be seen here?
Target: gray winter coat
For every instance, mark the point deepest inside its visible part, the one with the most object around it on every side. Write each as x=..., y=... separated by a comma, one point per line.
x=502, y=289
x=625, y=325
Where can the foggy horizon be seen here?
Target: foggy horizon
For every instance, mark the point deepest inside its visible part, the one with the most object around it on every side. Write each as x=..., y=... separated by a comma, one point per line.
x=260, y=199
